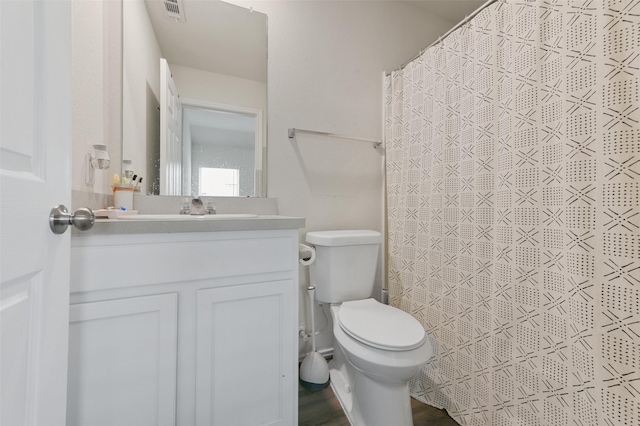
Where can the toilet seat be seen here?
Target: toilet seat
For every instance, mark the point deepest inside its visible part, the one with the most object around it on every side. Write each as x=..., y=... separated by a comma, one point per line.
x=380, y=326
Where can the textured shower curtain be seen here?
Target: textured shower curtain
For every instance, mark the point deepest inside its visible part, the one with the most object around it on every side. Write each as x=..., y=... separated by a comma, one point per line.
x=513, y=185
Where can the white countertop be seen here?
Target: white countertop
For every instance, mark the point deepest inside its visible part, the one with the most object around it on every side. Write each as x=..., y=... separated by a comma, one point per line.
x=187, y=224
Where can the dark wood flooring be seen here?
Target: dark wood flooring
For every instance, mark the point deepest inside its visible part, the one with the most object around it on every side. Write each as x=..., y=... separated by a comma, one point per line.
x=323, y=408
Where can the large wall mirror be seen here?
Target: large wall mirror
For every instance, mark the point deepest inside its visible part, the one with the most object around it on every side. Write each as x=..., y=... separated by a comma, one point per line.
x=194, y=97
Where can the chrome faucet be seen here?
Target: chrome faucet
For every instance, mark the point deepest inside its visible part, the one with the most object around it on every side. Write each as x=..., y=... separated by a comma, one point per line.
x=196, y=207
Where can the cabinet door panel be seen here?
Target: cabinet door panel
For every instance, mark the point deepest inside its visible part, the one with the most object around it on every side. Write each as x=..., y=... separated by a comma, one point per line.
x=244, y=362
x=122, y=362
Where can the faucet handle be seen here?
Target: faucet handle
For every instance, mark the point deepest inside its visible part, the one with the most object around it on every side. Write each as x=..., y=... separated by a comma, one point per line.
x=185, y=208
x=210, y=208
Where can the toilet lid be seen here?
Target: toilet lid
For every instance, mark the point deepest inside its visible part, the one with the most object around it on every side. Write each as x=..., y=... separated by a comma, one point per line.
x=380, y=326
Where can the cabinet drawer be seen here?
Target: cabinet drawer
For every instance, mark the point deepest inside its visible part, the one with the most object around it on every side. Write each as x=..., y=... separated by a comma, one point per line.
x=149, y=262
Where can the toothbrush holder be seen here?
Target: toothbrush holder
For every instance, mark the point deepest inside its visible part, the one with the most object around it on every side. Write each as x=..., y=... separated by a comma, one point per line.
x=123, y=195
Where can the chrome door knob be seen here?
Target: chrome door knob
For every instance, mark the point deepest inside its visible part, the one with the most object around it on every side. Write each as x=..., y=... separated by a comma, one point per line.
x=60, y=219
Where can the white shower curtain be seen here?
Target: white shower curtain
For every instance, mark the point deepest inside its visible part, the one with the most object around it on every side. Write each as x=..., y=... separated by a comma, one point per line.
x=513, y=193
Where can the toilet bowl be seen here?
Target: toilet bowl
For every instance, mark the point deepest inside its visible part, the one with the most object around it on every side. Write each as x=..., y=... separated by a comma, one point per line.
x=369, y=376
x=377, y=348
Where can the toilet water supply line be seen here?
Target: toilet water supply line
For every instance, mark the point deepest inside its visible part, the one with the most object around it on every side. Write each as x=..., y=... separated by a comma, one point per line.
x=302, y=332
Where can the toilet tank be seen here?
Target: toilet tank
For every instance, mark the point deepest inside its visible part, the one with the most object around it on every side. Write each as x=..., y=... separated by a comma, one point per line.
x=345, y=265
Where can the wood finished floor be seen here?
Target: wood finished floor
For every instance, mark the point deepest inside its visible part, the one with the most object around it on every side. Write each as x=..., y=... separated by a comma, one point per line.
x=322, y=408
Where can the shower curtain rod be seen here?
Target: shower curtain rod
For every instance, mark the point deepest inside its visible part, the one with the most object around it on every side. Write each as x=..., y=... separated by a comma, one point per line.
x=445, y=35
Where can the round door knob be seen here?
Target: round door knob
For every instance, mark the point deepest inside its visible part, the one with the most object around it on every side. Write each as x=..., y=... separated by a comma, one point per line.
x=60, y=219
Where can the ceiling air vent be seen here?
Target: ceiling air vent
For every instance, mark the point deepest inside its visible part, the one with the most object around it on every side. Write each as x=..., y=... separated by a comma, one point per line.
x=174, y=9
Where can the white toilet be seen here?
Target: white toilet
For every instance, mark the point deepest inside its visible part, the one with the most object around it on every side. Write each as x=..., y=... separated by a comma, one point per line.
x=377, y=348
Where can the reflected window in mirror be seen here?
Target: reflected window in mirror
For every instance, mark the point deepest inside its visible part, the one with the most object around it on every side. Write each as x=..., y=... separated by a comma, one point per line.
x=219, y=182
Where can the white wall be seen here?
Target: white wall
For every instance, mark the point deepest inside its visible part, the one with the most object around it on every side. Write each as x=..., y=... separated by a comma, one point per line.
x=219, y=88
x=141, y=90
x=326, y=61
x=97, y=88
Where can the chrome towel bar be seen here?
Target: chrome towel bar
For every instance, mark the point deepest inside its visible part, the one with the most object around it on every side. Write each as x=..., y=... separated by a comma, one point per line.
x=292, y=134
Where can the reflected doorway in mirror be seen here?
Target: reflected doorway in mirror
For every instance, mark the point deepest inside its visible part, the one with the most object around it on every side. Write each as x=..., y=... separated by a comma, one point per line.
x=170, y=133
x=195, y=134
x=219, y=137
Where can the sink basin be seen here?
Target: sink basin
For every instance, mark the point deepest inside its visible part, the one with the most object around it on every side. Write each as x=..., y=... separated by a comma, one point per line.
x=186, y=217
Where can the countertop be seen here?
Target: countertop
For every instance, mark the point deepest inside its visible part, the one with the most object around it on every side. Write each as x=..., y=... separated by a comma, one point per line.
x=261, y=222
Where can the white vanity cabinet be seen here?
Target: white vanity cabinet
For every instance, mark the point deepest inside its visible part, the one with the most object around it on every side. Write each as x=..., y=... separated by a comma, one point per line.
x=192, y=328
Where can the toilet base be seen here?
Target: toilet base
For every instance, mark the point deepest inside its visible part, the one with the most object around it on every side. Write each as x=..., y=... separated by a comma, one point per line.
x=366, y=401
x=342, y=391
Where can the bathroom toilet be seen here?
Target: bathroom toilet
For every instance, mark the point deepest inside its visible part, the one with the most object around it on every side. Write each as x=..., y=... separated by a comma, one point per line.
x=377, y=348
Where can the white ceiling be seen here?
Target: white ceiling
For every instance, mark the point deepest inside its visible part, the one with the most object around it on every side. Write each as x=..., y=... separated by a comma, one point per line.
x=453, y=11
x=228, y=39
x=219, y=127
x=216, y=36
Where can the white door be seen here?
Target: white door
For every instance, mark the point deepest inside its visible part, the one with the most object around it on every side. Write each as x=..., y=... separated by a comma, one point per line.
x=170, y=134
x=35, y=142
